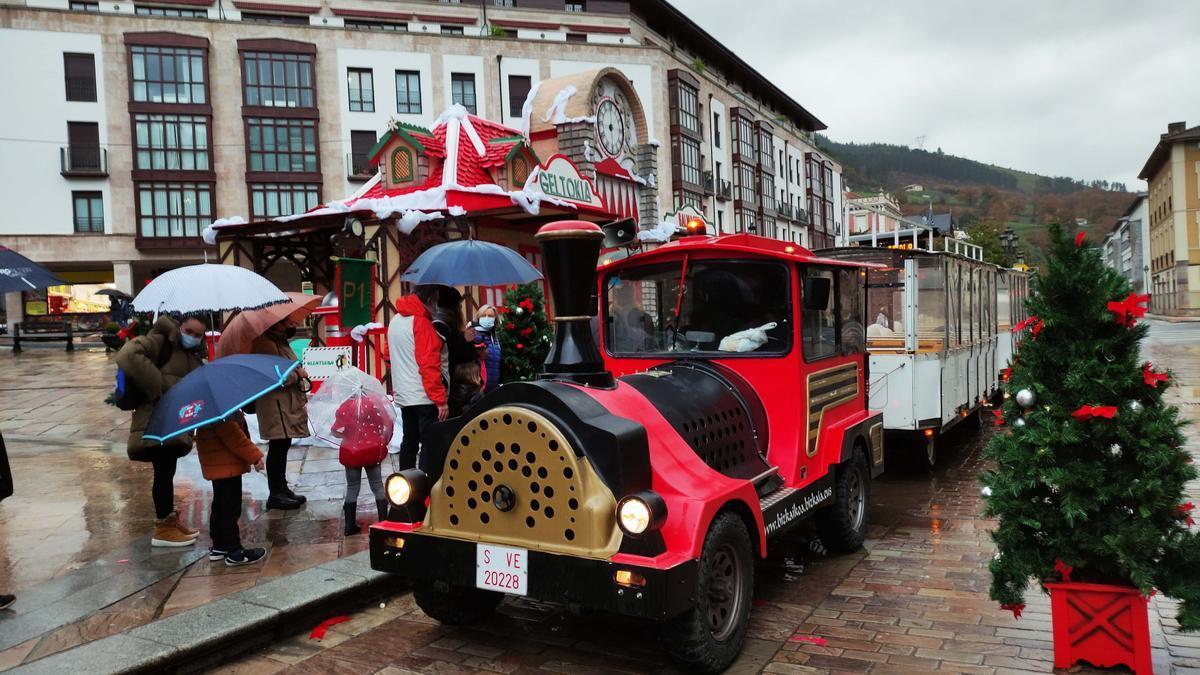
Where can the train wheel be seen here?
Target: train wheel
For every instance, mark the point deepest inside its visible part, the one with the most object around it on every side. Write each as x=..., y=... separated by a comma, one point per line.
x=842, y=525
x=709, y=637
x=455, y=605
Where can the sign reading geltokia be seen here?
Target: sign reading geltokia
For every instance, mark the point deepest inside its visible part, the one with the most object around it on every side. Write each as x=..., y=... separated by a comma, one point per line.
x=560, y=178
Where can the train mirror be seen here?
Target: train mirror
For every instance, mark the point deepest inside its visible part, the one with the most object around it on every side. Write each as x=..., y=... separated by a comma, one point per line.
x=816, y=293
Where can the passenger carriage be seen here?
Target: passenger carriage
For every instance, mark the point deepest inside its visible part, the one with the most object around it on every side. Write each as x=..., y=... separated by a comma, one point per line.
x=938, y=334
x=717, y=401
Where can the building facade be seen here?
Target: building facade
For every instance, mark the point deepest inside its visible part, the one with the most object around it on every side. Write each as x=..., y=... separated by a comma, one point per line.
x=1127, y=247
x=1172, y=175
x=139, y=123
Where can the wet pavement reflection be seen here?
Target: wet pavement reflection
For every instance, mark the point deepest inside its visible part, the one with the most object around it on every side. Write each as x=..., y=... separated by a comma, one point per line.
x=74, y=540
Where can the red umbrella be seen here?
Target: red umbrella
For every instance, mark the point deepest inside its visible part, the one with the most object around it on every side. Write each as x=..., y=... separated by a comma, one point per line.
x=246, y=327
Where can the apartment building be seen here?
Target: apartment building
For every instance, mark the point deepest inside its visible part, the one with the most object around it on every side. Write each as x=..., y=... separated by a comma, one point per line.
x=133, y=124
x=1172, y=175
x=1127, y=248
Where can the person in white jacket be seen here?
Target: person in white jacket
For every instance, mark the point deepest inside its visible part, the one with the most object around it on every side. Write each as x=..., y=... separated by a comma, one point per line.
x=419, y=363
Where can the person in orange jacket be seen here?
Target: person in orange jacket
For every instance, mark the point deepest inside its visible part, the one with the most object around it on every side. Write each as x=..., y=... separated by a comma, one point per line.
x=226, y=453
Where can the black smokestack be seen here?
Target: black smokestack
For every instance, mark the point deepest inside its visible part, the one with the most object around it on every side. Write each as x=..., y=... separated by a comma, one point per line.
x=570, y=250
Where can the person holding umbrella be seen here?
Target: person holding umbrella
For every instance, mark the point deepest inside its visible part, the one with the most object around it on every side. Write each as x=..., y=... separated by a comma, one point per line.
x=154, y=363
x=209, y=401
x=282, y=413
x=419, y=370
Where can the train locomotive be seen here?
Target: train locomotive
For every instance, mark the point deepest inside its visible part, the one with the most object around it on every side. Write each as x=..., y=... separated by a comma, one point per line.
x=715, y=402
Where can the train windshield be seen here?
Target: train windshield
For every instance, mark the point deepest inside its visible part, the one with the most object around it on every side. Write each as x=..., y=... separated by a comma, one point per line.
x=706, y=307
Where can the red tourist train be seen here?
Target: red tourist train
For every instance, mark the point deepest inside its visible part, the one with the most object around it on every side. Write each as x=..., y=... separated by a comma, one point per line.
x=715, y=403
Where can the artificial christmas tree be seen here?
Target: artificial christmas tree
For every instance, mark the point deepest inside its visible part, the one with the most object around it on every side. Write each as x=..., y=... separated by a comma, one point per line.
x=1089, y=478
x=524, y=333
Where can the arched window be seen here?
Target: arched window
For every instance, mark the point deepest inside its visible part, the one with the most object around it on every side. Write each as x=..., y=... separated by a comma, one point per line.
x=402, y=165
x=519, y=170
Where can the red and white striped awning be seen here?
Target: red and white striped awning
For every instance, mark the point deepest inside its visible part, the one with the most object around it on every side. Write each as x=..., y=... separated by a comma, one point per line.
x=619, y=194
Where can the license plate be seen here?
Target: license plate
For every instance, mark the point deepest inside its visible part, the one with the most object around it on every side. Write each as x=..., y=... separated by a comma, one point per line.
x=502, y=568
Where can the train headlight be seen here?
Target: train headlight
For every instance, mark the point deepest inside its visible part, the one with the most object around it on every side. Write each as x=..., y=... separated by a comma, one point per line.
x=406, y=487
x=641, y=512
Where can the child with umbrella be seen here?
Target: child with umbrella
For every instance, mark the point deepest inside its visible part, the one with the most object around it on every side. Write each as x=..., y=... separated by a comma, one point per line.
x=209, y=399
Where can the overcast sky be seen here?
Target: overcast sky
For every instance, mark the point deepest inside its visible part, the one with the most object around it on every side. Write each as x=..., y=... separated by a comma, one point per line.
x=1080, y=88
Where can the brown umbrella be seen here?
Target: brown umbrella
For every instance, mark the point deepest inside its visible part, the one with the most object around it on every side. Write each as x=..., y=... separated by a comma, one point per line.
x=245, y=328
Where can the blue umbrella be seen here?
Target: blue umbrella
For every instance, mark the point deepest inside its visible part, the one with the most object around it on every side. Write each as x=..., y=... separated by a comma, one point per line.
x=18, y=273
x=215, y=391
x=468, y=262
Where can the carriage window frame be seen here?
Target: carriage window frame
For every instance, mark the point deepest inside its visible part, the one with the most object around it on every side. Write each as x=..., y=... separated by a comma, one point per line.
x=789, y=310
x=838, y=273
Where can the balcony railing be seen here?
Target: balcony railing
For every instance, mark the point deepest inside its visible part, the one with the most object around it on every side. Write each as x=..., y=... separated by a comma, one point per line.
x=708, y=183
x=785, y=211
x=802, y=216
x=81, y=88
x=83, y=161
x=724, y=190
x=358, y=166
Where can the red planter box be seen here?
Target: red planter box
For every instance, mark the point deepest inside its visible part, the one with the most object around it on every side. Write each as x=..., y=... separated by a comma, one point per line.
x=1103, y=625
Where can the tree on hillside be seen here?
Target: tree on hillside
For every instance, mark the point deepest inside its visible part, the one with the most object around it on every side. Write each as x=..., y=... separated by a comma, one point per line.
x=986, y=235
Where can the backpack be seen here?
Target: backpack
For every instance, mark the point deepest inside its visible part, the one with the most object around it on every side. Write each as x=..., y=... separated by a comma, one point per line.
x=127, y=395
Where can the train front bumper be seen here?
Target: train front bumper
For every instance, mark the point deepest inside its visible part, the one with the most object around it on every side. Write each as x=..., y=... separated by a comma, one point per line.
x=552, y=577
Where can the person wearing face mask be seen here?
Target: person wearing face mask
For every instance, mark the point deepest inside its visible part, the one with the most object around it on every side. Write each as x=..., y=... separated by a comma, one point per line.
x=154, y=362
x=487, y=342
x=418, y=358
x=282, y=414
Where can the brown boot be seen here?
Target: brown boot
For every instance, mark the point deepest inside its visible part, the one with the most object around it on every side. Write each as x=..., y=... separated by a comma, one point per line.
x=173, y=521
x=165, y=534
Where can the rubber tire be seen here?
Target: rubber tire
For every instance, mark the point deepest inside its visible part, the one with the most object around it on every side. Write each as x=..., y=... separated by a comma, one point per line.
x=834, y=524
x=687, y=638
x=457, y=605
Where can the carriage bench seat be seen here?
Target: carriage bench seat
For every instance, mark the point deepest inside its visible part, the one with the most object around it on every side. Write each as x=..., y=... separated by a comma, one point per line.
x=50, y=331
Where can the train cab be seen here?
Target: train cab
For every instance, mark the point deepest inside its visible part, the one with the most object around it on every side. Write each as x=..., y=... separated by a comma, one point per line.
x=699, y=400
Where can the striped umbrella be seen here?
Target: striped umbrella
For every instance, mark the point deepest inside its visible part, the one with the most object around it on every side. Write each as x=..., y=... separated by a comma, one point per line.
x=198, y=289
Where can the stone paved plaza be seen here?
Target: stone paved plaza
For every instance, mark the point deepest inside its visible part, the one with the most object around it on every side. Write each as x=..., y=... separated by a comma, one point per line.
x=73, y=546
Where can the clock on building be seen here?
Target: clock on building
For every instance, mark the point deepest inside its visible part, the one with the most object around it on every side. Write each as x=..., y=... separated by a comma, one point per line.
x=610, y=127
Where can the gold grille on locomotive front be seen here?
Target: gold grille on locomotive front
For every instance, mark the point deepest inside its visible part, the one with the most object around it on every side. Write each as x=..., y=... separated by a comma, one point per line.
x=555, y=500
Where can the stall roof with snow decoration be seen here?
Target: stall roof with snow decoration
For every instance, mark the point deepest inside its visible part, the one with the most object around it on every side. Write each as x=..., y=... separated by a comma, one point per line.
x=464, y=165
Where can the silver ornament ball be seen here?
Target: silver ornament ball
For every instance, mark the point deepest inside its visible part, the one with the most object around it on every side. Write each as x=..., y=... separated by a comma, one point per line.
x=520, y=310
x=1114, y=450
x=1026, y=398
x=986, y=491
x=1135, y=406
x=1019, y=423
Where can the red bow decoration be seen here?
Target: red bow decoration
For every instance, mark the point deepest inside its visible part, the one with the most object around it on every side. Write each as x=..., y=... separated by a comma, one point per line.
x=1015, y=609
x=1150, y=377
x=1037, y=328
x=1079, y=238
x=1130, y=309
x=999, y=418
x=1184, y=512
x=526, y=304
x=1063, y=569
x=318, y=633
x=1032, y=322
x=1087, y=412
x=526, y=331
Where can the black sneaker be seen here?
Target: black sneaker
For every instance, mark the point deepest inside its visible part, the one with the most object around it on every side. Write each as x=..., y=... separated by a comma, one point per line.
x=281, y=500
x=245, y=556
x=215, y=554
x=6, y=601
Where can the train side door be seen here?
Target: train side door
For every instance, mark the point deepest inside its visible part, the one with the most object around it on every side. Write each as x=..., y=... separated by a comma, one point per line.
x=833, y=346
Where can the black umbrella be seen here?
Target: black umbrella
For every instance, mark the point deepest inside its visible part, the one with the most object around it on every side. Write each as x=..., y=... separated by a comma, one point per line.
x=18, y=273
x=114, y=293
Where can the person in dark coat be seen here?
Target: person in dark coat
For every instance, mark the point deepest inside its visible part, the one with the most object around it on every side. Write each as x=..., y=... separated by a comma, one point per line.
x=6, y=490
x=448, y=322
x=154, y=362
x=282, y=415
x=487, y=343
x=466, y=387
